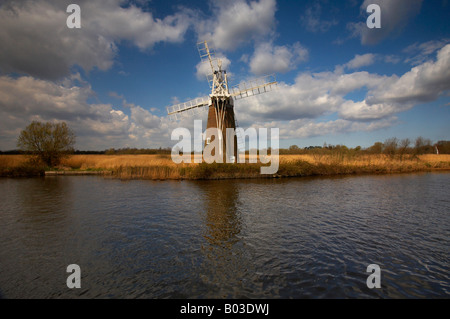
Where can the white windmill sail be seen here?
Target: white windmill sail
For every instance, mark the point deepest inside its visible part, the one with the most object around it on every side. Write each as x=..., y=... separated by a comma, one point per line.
x=207, y=56
x=254, y=87
x=192, y=107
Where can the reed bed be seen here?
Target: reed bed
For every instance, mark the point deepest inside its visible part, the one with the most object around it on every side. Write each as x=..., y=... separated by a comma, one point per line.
x=375, y=160
x=161, y=167
x=19, y=166
x=113, y=161
x=10, y=161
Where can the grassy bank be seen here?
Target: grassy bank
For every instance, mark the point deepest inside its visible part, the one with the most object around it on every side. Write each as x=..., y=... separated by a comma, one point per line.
x=161, y=167
x=19, y=166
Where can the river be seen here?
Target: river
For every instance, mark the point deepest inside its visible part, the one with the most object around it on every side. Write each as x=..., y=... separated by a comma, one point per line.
x=274, y=238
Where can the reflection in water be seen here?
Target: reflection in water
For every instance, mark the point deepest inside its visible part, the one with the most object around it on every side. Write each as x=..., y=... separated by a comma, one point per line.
x=222, y=222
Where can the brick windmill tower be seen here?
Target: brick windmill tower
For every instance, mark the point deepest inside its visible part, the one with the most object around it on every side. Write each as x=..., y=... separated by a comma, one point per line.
x=220, y=103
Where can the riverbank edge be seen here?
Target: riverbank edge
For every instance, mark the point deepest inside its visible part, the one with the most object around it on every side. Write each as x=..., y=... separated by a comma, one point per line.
x=77, y=172
x=218, y=171
x=232, y=171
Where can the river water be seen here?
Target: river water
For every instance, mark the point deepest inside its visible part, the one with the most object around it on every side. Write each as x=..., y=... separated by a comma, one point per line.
x=283, y=238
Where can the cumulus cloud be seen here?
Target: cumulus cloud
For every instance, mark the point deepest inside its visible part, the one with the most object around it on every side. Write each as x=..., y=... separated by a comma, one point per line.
x=236, y=22
x=268, y=58
x=97, y=126
x=40, y=27
x=308, y=128
x=361, y=60
x=362, y=111
x=424, y=83
x=315, y=95
x=300, y=109
x=311, y=96
x=144, y=118
x=394, y=94
x=395, y=15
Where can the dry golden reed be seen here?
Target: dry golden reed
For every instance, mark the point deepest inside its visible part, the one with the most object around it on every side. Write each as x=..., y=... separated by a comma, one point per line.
x=162, y=167
x=11, y=161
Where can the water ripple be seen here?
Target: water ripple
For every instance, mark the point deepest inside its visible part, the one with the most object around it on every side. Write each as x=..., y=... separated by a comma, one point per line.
x=297, y=238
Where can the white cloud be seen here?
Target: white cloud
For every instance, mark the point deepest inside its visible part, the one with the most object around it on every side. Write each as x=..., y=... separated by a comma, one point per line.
x=40, y=27
x=424, y=83
x=297, y=108
x=317, y=95
x=395, y=15
x=421, y=52
x=361, y=60
x=97, y=126
x=144, y=118
x=311, y=96
x=268, y=58
x=238, y=22
x=301, y=109
x=394, y=94
x=308, y=128
x=361, y=111
x=132, y=24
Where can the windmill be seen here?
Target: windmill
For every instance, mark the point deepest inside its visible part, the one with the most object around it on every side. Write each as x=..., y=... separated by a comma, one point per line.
x=220, y=103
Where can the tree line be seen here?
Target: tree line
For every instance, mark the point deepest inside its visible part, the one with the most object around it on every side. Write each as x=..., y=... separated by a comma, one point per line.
x=392, y=146
x=49, y=143
x=110, y=151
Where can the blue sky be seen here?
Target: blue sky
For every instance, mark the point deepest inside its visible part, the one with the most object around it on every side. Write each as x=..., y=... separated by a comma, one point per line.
x=339, y=81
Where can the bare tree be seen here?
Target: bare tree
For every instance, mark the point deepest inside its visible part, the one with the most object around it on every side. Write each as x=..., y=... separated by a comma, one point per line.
x=423, y=146
x=403, y=147
x=390, y=146
x=49, y=142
